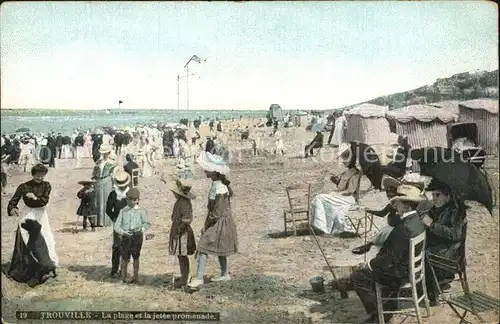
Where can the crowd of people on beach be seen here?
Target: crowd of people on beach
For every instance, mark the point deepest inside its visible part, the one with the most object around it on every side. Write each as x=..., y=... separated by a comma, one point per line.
x=110, y=197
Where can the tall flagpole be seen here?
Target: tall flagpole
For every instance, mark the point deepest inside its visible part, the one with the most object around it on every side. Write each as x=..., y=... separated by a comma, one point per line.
x=178, y=80
x=187, y=85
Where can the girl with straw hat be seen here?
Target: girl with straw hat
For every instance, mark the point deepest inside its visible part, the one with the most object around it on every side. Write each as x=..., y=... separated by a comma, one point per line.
x=219, y=236
x=181, y=241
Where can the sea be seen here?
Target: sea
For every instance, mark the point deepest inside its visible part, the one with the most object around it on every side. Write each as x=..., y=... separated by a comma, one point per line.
x=65, y=121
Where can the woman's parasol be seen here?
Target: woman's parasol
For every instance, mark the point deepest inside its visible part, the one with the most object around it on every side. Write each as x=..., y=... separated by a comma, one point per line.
x=369, y=162
x=466, y=181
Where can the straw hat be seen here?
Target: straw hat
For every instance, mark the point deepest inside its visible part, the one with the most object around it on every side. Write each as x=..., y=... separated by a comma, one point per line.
x=182, y=187
x=122, y=178
x=213, y=163
x=343, y=149
x=105, y=148
x=408, y=193
x=86, y=182
x=390, y=182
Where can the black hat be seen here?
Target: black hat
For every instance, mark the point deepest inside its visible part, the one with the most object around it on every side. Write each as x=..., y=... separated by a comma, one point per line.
x=438, y=185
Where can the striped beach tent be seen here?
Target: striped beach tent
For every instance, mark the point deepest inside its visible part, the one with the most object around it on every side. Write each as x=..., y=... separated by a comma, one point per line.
x=483, y=112
x=367, y=124
x=425, y=125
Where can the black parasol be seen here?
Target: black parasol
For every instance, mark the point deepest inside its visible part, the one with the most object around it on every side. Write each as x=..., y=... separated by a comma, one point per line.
x=466, y=181
x=370, y=163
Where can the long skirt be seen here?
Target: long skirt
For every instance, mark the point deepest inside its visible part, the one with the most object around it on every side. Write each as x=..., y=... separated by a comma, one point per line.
x=328, y=213
x=22, y=264
x=103, y=187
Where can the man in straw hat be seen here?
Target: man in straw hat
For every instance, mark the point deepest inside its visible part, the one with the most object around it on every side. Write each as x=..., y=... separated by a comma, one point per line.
x=390, y=185
x=390, y=266
x=116, y=201
x=131, y=223
x=182, y=241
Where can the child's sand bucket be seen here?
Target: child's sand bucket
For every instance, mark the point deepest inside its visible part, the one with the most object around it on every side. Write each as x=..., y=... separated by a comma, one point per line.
x=317, y=284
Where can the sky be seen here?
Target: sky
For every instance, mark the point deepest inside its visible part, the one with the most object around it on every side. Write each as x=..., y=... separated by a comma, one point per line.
x=300, y=55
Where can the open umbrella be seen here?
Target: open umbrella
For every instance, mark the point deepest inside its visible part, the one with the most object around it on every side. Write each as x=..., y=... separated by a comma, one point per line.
x=23, y=130
x=466, y=181
x=369, y=161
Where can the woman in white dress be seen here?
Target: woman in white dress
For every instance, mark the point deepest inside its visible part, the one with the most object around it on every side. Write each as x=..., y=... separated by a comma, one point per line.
x=339, y=132
x=278, y=143
x=328, y=211
x=26, y=267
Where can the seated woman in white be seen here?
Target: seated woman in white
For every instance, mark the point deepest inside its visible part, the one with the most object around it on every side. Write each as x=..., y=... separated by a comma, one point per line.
x=328, y=211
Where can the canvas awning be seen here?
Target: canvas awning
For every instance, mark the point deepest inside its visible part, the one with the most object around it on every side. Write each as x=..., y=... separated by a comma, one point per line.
x=421, y=113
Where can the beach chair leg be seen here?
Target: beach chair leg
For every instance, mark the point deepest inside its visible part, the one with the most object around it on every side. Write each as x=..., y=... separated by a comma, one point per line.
x=294, y=225
x=284, y=223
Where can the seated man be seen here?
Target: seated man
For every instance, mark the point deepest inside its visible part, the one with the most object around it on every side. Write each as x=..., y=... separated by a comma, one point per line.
x=328, y=210
x=397, y=167
x=317, y=142
x=390, y=185
x=390, y=267
x=444, y=224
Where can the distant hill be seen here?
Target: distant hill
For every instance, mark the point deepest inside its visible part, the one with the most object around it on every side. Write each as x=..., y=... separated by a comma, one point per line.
x=461, y=86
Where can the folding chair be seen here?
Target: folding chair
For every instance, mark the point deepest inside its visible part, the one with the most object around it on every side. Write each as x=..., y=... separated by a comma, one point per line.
x=299, y=198
x=417, y=275
x=135, y=177
x=474, y=302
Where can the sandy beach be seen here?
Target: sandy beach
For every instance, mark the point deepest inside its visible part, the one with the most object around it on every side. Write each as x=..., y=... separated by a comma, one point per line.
x=271, y=272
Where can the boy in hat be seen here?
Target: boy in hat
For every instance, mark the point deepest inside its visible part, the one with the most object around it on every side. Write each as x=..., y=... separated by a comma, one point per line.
x=131, y=223
x=182, y=242
x=117, y=200
x=87, y=207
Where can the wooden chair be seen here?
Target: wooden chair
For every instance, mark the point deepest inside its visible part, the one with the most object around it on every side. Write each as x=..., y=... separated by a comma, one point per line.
x=135, y=177
x=474, y=302
x=299, y=198
x=417, y=275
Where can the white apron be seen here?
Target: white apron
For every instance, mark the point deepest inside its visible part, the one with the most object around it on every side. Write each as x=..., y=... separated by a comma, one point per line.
x=40, y=215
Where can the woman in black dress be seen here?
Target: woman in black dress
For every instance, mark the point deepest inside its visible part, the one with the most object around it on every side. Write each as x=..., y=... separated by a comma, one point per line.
x=35, y=194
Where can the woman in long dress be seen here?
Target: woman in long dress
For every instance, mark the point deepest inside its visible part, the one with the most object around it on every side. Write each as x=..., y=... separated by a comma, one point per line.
x=328, y=211
x=35, y=194
x=339, y=132
x=103, y=174
x=87, y=146
x=219, y=236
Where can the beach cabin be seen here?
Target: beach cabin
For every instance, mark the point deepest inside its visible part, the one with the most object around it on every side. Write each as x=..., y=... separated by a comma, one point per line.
x=275, y=111
x=301, y=119
x=483, y=112
x=425, y=125
x=367, y=124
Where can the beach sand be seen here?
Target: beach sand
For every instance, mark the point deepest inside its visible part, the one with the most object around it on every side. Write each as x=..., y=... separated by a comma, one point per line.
x=271, y=272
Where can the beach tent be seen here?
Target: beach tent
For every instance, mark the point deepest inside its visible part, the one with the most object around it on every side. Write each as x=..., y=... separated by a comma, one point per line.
x=367, y=124
x=275, y=111
x=301, y=118
x=483, y=112
x=425, y=125
x=448, y=105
